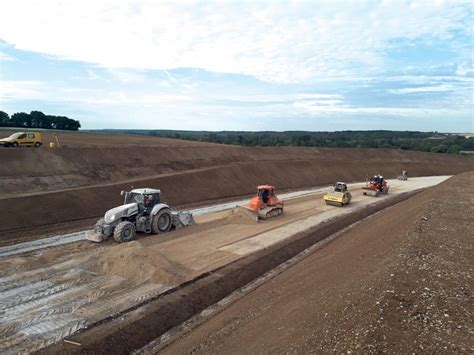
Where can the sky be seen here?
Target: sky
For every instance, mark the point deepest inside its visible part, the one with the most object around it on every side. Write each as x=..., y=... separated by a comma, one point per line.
x=241, y=65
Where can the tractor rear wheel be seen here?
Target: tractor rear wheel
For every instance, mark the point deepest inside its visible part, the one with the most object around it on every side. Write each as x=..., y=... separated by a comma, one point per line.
x=124, y=232
x=162, y=221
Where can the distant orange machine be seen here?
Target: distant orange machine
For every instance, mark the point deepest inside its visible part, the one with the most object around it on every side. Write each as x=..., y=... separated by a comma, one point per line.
x=266, y=204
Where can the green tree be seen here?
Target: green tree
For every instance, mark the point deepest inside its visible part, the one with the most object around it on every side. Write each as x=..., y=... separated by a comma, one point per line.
x=39, y=120
x=468, y=144
x=20, y=119
x=439, y=149
x=4, y=119
x=454, y=149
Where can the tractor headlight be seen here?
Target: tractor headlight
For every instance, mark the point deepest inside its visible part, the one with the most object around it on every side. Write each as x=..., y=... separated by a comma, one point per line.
x=110, y=219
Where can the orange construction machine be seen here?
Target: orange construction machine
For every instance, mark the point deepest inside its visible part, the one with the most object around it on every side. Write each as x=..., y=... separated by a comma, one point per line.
x=266, y=204
x=375, y=186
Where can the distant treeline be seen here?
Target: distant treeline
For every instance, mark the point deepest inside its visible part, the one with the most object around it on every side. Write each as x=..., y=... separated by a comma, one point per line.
x=407, y=140
x=37, y=119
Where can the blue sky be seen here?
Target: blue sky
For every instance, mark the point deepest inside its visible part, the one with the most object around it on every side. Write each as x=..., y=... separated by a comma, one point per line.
x=241, y=65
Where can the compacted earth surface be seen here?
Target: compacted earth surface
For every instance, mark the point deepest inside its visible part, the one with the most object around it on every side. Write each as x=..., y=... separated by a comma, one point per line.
x=400, y=281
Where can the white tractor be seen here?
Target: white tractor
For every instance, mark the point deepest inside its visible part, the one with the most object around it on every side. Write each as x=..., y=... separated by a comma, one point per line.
x=142, y=211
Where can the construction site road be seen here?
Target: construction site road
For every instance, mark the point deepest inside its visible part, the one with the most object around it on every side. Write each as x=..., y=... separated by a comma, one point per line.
x=37, y=244
x=50, y=294
x=60, y=239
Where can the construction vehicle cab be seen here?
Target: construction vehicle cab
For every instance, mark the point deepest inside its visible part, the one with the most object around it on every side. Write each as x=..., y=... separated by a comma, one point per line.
x=403, y=175
x=146, y=199
x=375, y=186
x=22, y=139
x=340, y=187
x=142, y=211
x=340, y=196
x=266, y=204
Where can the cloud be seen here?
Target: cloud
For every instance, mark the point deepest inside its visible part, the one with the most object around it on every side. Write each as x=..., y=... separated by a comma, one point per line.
x=20, y=90
x=121, y=98
x=385, y=110
x=128, y=76
x=464, y=70
x=422, y=89
x=319, y=96
x=6, y=58
x=286, y=42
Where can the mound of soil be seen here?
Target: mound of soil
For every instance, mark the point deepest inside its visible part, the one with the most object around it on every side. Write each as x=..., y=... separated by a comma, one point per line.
x=135, y=262
x=241, y=215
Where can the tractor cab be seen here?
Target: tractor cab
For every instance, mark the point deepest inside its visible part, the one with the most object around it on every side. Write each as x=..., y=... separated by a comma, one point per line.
x=145, y=198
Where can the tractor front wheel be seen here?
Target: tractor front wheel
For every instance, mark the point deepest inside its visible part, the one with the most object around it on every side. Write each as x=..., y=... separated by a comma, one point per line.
x=124, y=232
x=162, y=221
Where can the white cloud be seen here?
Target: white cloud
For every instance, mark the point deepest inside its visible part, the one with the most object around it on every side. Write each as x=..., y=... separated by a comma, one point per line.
x=274, y=41
x=20, y=90
x=319, y=96
x=422, y=89
x=121, y=98
x=6, y=58
x=127, y=76
x=464, y=70
x=385, y=110
x=17, y=90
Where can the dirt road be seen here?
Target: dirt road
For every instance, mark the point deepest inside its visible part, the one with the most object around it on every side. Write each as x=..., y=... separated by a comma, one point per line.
x=52, y=294
x=400, y=282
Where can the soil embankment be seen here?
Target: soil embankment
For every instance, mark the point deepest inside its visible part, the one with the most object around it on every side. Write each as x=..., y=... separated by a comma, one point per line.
x=398, y=282
x=45, y=188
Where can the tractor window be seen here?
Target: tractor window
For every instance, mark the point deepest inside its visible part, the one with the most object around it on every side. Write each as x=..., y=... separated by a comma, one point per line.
x=138, y=198
x=134, y=198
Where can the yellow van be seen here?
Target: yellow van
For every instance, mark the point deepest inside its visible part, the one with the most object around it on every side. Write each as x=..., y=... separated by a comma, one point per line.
x=22, y=139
